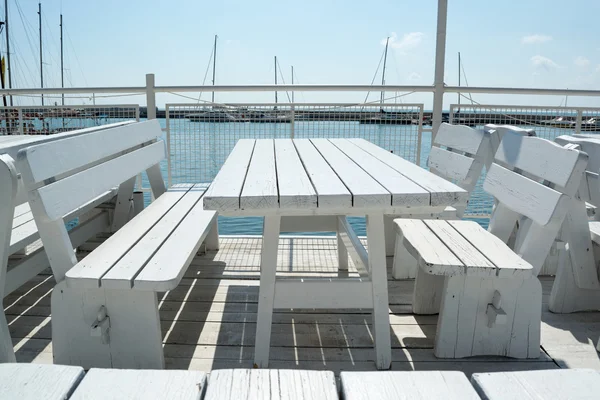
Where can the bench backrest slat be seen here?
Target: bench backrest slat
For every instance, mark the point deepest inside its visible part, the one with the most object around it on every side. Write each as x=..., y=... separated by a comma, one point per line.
x=532, y=178
x=62, y=157
x=64, y=196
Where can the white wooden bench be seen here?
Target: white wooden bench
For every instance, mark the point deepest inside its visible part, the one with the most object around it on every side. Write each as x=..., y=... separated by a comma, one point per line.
x=488, y=297
x=572, y=384
x=459, y=154
x=101, y=384
x=104, y=309
x=38, y=381
x=392, y=385
x=272, y=384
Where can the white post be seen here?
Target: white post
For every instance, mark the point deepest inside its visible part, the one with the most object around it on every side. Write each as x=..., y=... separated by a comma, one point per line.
x=440, y=55
x=20, y=117
x=150, y=97
x=578, y=121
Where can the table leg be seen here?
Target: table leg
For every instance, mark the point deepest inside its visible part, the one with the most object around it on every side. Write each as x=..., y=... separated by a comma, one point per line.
x=378, y=273
x=342, y=254
x=268, y=266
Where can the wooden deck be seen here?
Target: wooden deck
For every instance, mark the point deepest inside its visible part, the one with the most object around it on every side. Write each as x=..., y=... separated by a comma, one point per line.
x=209, y=321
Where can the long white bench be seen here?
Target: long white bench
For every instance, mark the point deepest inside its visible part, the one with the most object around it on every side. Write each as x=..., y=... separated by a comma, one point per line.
x=488, y=296
x=104, y=308
x=38, y=381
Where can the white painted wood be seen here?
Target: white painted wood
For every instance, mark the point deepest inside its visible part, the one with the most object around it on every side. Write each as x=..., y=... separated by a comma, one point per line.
x=22, y=209
x=587, y=143
x=417, y=385
x=268, y=265
x=495, y=250
x=428, y=293
x=166, y=268
x=88, y=272
x=156, y=180
x=595, y=231
x=403, y=190
x=234, y=384
x=461, y=138
x=225, y=190
x=331, y=191
x=8, y=194
x=442, y=192
x=544, y=159
x=140, y=385
x=52, y=159
x=212, y=238
x=463, y=330
x=353, y=246
x=575, y=384
x=431, y=253
x=127, y=268
x=123, y=204
x=405, y=265
x=38, y=381
x=523, y=195
x=86, y=185
x=366, y=191
x=342, y=253
x=378, y=274
x=452, y=166
x=134, y=337
x=21, y=219
x=503, y=222
x=22, y=236
x=260, y=186
x=319, y=293
x=295, y=188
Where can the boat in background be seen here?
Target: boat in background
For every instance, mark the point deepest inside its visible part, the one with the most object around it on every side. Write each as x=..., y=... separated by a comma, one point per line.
x=212, y=116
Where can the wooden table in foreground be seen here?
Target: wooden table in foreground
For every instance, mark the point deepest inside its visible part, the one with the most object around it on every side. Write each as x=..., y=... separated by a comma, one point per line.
x=312, y=185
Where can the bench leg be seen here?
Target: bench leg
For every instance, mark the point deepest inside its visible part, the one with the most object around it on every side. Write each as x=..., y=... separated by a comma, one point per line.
x=268, y=267
x=428, y=293
x=566, y=296
x=466, y=324
x=405, y=265
x=342, y=254
x=133, y=339
x=212, y=239
x=378, y=274
x=7, y=354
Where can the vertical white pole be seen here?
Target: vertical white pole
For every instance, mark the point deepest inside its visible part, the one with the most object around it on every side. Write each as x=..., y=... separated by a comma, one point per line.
x=578, y=121
x=150, y=96
x=440, y=55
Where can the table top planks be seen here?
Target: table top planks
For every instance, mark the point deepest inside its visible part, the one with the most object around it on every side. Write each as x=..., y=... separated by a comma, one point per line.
x=315, y=176
x=38, y=381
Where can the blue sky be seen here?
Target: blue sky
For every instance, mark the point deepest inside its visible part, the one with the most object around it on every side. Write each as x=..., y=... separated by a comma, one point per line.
x=530, y=43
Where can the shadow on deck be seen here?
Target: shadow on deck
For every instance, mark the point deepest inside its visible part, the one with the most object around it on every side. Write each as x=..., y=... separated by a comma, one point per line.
x=209, y=320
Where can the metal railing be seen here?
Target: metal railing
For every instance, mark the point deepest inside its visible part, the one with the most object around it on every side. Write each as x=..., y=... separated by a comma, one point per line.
x=200, y=137
x=45, y=120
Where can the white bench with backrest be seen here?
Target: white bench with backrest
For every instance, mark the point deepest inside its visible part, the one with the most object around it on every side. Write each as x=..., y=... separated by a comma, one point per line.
x=104, y=308
x=21, y=255
x=488, y=296
x=459, y=154
x=576, y=286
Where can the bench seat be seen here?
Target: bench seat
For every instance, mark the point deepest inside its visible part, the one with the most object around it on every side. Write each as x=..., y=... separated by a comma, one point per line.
x=102, y=384
x=573, y=384
x=392, y=385
x=274, y=384
x=38, y=381
x=477, y=284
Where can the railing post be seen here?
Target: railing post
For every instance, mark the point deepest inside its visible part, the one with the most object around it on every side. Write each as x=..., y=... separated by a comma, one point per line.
x=292, y=121
x=20, y=118
x=440, y=54
x=150, y=97
x=578, y=121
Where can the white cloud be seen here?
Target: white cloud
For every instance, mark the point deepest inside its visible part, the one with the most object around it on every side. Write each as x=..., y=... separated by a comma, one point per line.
x=582, y=62
x=409, y=40
x=537, y=38
x=414, y=76
x=543, y=62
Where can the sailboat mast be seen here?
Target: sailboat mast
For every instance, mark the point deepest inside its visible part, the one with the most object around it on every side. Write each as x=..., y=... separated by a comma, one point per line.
x=384, y=63
x=214, y=67
x=458, y=79
x=62, y=70
x=8, y=48
x=41, y=60
x=276, y=79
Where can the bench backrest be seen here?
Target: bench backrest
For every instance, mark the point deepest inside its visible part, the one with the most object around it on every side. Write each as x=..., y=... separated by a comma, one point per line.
x=497, y=132
x=64, y=175
x=532, y=178
x=458, y=154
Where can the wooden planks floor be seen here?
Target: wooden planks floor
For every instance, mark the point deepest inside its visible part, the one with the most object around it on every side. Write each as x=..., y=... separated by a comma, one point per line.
x=209, y=321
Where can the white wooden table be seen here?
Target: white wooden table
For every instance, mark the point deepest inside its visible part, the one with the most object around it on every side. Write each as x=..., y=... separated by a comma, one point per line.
x=313, y=185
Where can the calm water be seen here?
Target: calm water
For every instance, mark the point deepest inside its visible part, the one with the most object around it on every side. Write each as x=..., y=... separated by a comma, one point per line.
x=199, y=149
